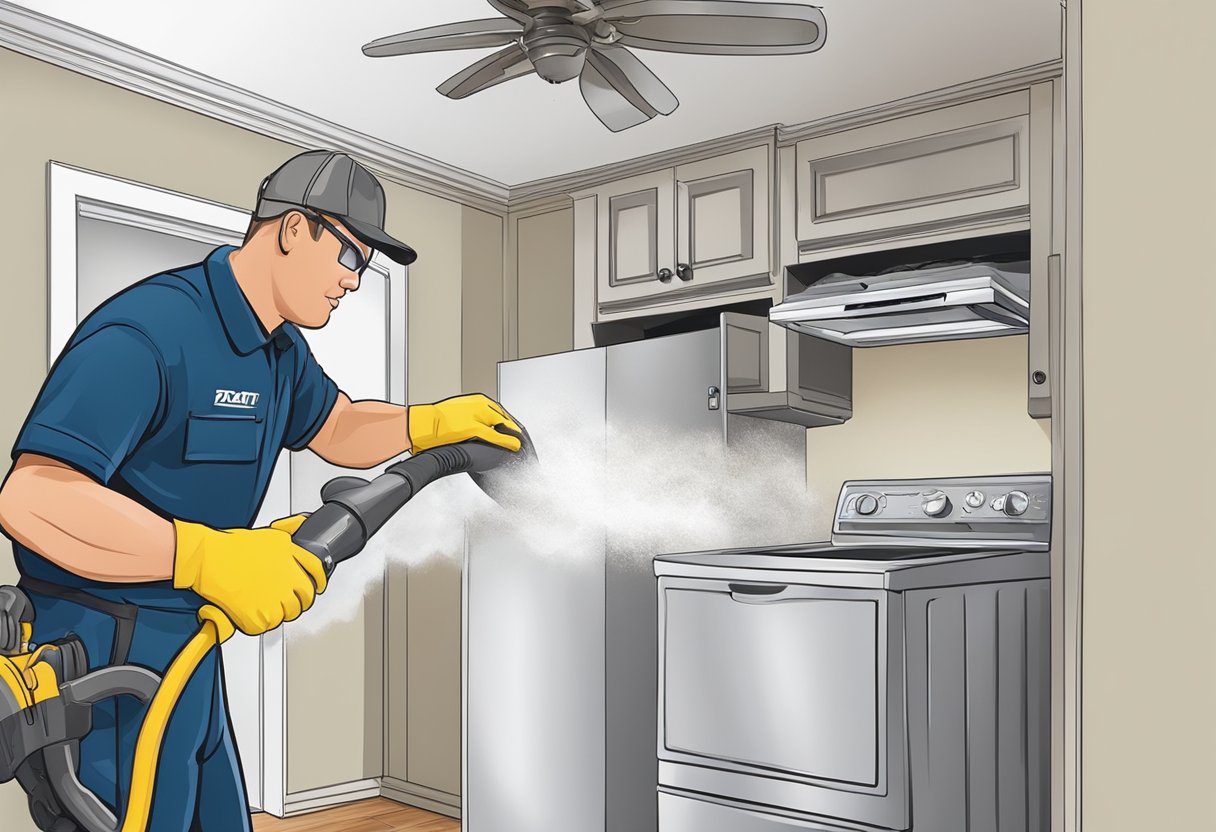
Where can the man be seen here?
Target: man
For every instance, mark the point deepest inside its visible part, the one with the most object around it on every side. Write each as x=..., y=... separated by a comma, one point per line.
x=149, y=449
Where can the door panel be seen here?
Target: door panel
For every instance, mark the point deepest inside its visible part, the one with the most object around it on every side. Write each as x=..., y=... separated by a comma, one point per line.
x=960, y=164
x=722, y=218
x=534, y=634
x=112, y=256
x=653, y=386
x=790, y=695
x=809, y=657
x=635, y=236
x=632, y=225
x=661, y=383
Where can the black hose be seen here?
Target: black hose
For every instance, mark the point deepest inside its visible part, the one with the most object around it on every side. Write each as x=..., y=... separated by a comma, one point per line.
x=354, y=509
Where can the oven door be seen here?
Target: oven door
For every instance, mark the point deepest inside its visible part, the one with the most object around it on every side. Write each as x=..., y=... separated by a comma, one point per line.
x=789, y=695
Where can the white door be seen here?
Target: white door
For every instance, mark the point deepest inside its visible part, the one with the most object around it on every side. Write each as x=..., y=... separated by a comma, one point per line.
x=107, y=233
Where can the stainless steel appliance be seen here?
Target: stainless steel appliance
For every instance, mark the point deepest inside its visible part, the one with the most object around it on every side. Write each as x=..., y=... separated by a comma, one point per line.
x=894, y=677
x=963, y=300
x=560, y=657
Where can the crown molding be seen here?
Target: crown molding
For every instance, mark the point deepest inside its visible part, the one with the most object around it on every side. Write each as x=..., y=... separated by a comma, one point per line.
x=543, y=203
x=1016, y=79
x=95, y=56
x=568, y=183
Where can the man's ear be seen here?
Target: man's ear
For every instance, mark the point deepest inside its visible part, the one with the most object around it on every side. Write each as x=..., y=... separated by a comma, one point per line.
x=289, y=230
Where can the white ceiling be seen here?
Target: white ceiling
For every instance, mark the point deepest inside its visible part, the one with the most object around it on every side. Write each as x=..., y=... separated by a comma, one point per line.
x=306, y=54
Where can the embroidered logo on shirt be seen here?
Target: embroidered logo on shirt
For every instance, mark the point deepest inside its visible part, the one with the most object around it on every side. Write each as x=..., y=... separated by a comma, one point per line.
x=236, y=398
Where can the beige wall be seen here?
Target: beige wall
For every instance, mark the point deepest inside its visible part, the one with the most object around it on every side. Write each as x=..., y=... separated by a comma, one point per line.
x=950, y=408
x=482, y=310
x=1149, y=630
x=545, y=267
x=54, y=114
x=456, y=321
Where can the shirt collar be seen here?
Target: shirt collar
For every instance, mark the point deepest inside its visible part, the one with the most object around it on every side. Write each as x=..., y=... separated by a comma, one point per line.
x=245, y=332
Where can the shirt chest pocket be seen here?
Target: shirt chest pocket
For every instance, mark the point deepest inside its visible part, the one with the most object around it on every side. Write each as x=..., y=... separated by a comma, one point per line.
x=223, y=438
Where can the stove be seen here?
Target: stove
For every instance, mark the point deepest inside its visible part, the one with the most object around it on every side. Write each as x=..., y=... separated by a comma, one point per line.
x=895, y=676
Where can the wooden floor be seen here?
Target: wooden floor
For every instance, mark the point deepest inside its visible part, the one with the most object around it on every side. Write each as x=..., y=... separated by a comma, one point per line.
x=376, y=815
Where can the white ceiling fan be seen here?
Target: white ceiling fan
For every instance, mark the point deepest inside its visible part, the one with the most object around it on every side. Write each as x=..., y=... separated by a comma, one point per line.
x=586, y=39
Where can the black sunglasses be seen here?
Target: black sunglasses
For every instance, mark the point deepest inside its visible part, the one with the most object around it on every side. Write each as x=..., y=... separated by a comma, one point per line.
x=350, y=256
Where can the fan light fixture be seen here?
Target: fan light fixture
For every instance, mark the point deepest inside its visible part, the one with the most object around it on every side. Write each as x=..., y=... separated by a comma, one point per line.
x=561, y=40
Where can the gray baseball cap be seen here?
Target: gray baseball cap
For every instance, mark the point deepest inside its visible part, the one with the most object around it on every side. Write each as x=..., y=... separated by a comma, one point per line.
x=332, y=183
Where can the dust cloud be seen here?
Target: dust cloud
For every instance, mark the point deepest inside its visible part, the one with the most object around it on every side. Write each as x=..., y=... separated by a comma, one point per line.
x=658, y=491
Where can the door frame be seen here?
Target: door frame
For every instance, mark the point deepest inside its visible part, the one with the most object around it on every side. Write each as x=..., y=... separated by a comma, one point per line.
x=74, y=193
x=1068, y=461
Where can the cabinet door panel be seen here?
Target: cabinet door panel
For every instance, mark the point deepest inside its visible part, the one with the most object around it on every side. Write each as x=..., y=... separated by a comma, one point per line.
x=968, y=163
x=635, y=236
x=719, y=220
x=722, y=219
x=633, y=226
x=747, y=352
x=932, y=171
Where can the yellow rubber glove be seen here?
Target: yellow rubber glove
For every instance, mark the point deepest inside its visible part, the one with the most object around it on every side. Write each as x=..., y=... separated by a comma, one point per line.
x=258, y=577
x=460, y=418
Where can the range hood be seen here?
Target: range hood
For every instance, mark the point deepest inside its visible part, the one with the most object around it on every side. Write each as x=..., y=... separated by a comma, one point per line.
x=935, y=303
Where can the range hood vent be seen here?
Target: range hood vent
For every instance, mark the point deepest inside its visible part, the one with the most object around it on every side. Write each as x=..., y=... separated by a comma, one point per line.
x=933, y=303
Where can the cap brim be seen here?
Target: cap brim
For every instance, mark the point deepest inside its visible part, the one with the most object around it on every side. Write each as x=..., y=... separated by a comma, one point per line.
x=376, y=238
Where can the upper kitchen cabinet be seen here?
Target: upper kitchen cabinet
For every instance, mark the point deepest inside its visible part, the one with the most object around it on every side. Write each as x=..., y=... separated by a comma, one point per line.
x=680, y=237
x=913, y=176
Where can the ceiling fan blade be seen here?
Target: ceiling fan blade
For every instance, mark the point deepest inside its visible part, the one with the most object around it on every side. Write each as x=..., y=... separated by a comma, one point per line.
x=467, y=34
x=613, y=109
x=717, y=27
x=633, y=79
x=517, y=10
x=503, y=65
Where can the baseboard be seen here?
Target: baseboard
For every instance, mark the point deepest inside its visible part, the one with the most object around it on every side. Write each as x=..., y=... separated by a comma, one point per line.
x=412, y=794
x=312, y=799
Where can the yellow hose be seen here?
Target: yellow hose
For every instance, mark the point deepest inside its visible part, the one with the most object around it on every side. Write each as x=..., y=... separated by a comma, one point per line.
x=216, y=630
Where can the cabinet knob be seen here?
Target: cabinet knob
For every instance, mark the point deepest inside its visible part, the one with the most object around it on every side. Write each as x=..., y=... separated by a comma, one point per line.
x=684, y=271
x=665, y=275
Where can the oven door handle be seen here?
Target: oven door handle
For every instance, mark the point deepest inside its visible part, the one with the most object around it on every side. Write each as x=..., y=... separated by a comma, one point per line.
x=757, y=593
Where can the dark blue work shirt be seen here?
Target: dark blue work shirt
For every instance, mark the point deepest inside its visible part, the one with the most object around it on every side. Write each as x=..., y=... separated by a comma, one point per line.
x=172, y=393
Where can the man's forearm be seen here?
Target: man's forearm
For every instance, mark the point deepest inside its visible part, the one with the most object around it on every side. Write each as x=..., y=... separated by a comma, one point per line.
x=82, y=526
x=363, y=434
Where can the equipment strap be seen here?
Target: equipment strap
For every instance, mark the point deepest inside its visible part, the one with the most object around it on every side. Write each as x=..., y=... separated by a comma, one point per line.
x=123, y=614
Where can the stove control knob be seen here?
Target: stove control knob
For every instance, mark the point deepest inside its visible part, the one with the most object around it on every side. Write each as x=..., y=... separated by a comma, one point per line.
x=975, y=499
x=1016, y=503
x=936, y=504
x=866, y=505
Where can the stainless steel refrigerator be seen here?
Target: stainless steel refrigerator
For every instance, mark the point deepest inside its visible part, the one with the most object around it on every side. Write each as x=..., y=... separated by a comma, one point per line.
x=560, y=653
